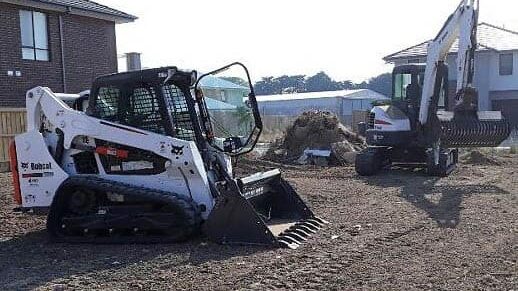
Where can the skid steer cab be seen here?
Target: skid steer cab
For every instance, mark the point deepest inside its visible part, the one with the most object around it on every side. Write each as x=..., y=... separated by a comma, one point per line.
x=148, y=159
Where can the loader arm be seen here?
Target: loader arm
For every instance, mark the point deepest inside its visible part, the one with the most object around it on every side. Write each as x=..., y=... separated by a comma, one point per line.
x=462, y=25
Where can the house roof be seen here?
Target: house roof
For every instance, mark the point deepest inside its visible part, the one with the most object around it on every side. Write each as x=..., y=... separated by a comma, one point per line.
x=78, y=7
x=490, y=38
x=219, y=83
x=345, y=94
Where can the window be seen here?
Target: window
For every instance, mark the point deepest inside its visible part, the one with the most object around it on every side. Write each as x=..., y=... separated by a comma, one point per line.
x=179, y=110
x=506, y=64
x=107, y=103
x=35, y=43
x=401, y=83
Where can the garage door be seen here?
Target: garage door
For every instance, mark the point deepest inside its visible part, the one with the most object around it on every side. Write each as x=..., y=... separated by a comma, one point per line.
x=509, y=109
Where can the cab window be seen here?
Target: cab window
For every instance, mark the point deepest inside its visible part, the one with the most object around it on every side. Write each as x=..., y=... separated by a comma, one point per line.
x=401, y=83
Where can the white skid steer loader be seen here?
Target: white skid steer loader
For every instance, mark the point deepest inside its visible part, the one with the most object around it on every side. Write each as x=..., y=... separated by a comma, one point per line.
x=148, y=162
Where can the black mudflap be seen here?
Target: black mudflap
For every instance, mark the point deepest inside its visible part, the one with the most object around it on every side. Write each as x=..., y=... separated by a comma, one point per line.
x=262, y=209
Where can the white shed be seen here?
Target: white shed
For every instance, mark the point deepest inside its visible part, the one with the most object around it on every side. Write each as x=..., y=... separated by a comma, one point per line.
x=342, y=103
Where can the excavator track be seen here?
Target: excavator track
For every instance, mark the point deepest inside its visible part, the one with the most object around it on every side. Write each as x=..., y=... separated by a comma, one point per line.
x=95, y=210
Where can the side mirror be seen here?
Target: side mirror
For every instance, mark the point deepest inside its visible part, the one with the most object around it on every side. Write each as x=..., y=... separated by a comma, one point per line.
x=228, y=109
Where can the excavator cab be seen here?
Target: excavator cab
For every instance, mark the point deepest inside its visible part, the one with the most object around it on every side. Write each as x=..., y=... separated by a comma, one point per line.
x=407, y=90
x=407, y=87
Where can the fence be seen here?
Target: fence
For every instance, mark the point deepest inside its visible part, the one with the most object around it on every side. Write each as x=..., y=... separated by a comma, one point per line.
x=274, y=126
x=12, y=122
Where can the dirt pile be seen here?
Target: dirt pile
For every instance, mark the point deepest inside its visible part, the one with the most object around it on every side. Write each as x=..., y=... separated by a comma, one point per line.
x=476, y=157
x=316, y=130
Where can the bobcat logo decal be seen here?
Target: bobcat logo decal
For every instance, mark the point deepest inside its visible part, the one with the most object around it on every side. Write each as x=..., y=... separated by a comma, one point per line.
x=177, y=150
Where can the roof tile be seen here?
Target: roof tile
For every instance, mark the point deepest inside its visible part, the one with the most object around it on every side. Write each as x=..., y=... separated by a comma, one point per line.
x=490, y=37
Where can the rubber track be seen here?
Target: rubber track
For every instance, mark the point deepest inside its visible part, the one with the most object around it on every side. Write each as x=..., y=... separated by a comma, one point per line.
x=192, y=211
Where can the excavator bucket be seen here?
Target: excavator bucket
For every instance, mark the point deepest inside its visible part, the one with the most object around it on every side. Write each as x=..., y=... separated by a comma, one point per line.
x=480, y=129
x=262, y=209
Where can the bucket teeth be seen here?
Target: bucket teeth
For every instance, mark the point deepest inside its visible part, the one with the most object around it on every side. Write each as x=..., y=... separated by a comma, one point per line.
x=306, y=229
x=310, y=226
x=313, y=224
x=299, y=232
x=290, y=239
x=288, y=243
x=320, y=220
x=293, y=235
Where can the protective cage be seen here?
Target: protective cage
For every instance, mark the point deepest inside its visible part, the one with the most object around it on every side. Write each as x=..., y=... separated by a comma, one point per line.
x=261, y=209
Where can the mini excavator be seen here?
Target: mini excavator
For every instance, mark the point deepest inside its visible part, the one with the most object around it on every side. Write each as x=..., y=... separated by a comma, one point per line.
x=416, y=128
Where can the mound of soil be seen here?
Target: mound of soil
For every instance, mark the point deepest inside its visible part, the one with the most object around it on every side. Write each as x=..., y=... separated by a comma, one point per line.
x=315, y=130
x=477, y=158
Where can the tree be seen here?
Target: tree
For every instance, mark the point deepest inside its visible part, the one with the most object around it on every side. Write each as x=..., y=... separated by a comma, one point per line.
x=345, y=85
x=291, y=84
x=381, y=84
x=265, y=86
x=320, y=82
x=279, y=85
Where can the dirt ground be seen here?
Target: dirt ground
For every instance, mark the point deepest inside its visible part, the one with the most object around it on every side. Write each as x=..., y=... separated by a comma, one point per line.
x=415, y=233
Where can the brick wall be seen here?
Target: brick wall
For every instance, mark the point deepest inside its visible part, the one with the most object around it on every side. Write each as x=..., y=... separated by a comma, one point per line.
x=90, y=51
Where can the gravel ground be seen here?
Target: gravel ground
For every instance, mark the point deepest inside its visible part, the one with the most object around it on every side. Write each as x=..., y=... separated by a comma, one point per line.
x=415, y=233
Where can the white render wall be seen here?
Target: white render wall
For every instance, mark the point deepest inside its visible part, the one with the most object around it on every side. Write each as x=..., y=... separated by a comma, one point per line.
x=502, y=83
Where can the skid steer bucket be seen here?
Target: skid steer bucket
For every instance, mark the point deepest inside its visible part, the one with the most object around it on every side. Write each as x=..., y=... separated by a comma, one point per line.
x=262, y=209
x=480, y=129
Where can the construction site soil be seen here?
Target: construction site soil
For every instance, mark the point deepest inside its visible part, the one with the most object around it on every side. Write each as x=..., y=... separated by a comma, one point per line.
x=401, y=230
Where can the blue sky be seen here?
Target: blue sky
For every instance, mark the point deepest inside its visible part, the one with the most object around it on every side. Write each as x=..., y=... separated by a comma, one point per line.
x=345, y=38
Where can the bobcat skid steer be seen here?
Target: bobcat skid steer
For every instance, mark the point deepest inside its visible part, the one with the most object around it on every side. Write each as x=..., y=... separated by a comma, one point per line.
x=149, y=162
